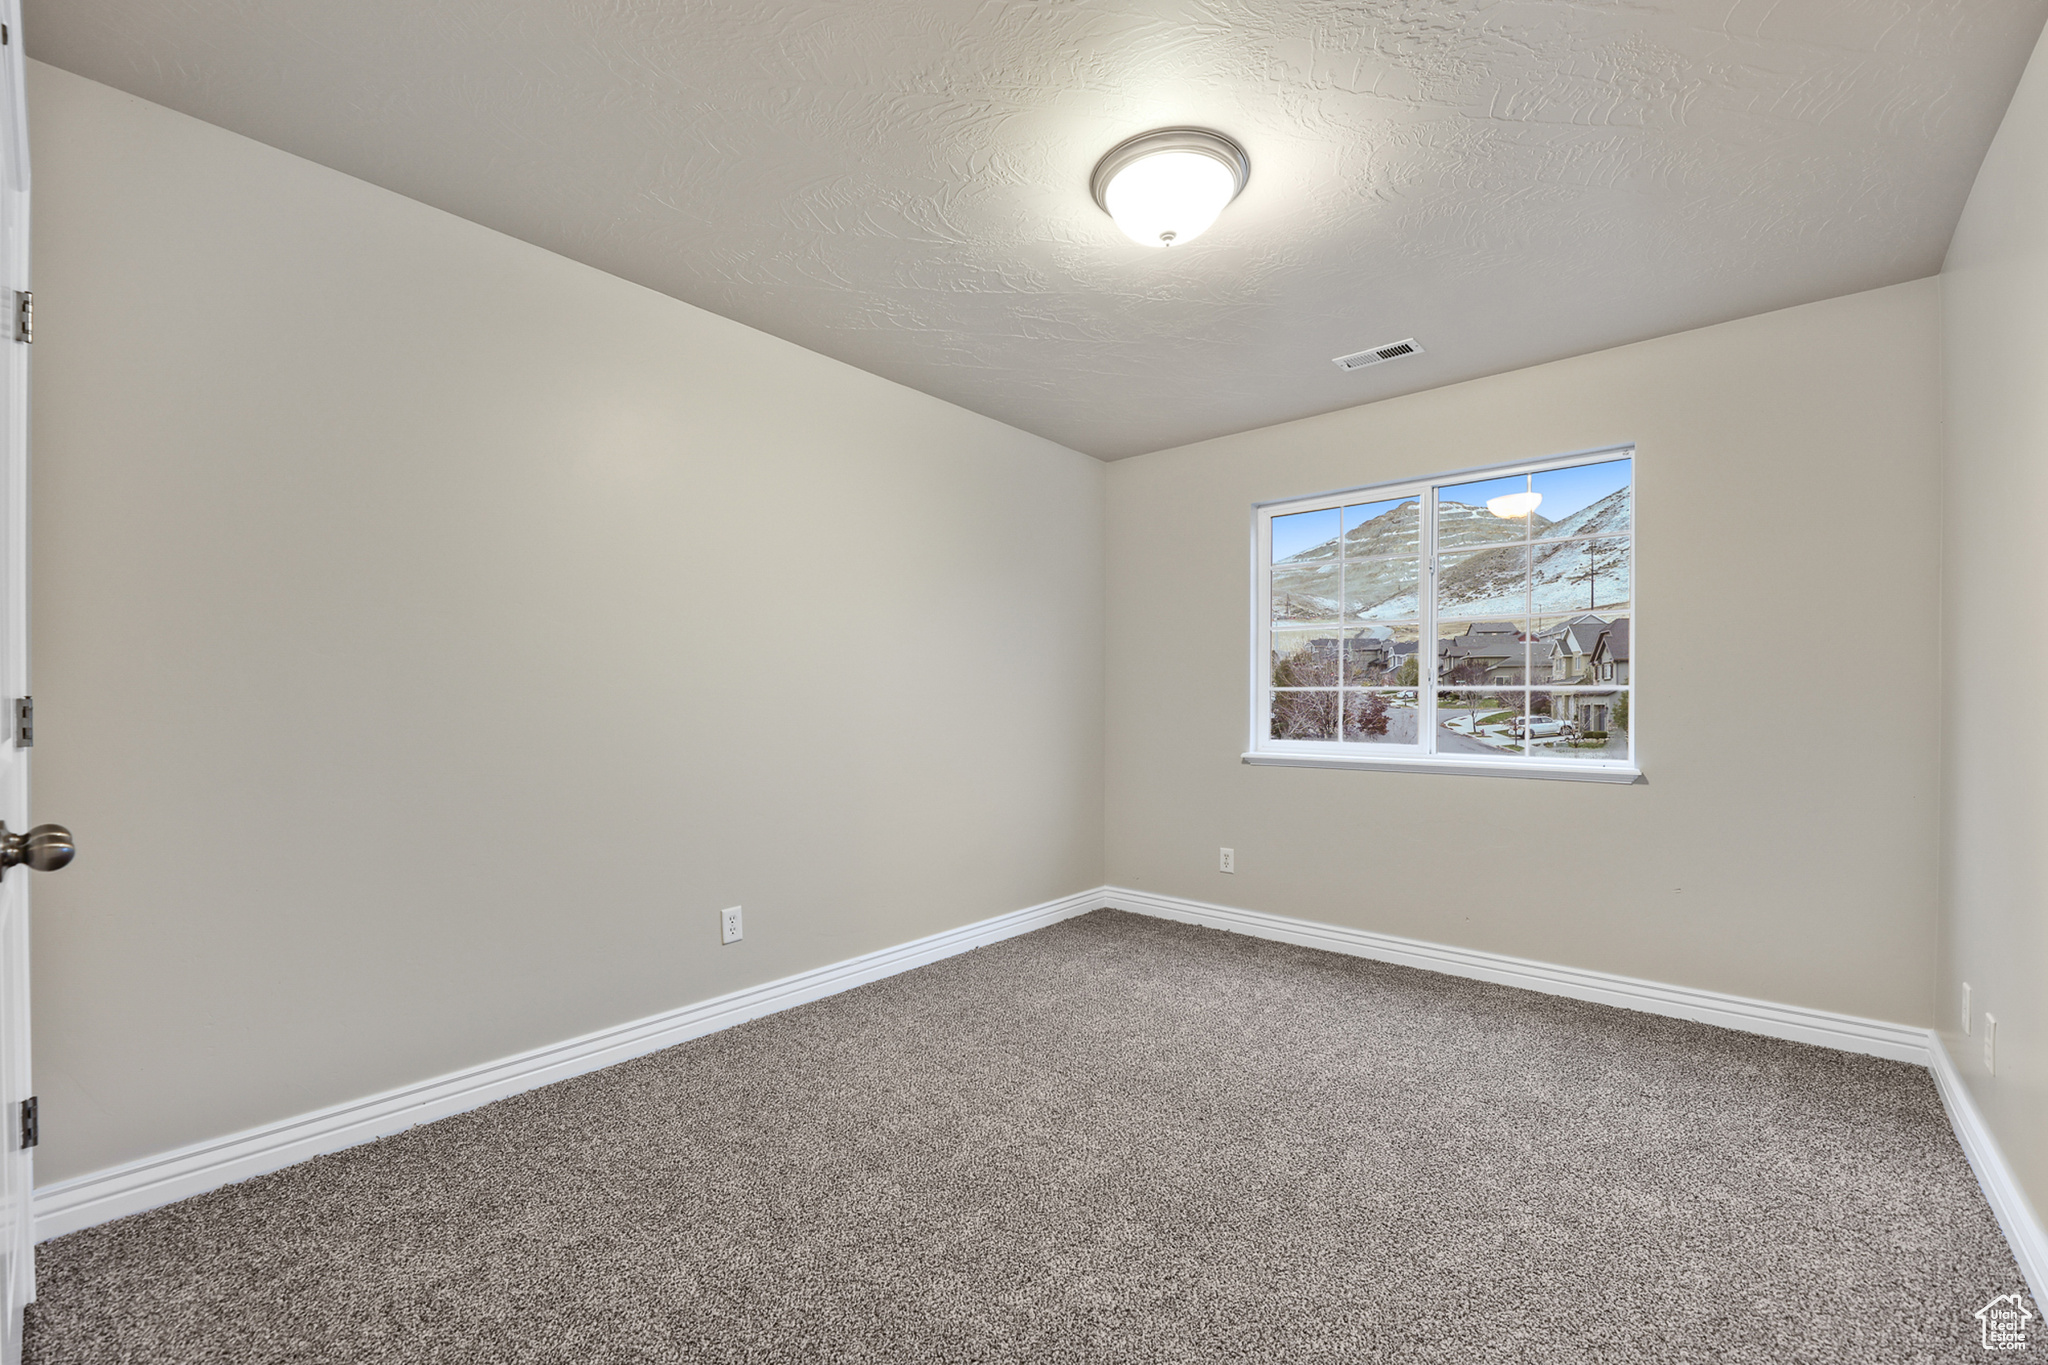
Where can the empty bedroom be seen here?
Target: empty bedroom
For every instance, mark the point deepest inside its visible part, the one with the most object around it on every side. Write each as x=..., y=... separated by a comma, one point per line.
x=1152, y=681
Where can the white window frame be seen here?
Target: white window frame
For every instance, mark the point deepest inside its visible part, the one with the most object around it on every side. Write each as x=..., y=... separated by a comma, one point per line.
x=1421, y=757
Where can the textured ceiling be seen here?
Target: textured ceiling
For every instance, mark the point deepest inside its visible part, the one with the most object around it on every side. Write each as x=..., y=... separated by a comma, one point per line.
x=903, y=184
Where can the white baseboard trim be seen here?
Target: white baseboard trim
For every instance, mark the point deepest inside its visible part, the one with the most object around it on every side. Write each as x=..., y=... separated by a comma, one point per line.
x=1846, y=1032
x=118, y=1191
x=2009, y=1204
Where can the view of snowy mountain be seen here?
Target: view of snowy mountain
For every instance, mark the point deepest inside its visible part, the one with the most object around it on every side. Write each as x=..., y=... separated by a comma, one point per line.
x=1539, y=571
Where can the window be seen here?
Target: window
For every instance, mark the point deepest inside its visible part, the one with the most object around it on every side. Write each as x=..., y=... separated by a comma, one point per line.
x=1477, y=622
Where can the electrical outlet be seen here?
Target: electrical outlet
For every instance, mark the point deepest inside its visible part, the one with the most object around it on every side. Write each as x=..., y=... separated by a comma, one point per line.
x=1990, y=1043
x=729, y=925
x=1966, y=1009
x=1226, y=860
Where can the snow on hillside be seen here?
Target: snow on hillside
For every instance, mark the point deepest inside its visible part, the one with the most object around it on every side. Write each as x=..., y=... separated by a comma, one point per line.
x=1609, y=515
x=1550, y=575
x=1462, y=524
x=1580, y=575
x=1389, y=533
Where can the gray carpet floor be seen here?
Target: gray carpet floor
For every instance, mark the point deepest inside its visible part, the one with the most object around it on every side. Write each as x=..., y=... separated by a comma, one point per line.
x=1115, y=1139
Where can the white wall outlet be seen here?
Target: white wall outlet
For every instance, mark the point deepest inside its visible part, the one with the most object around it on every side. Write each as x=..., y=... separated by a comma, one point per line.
x=729, y=925
x=1226, y=860
x=1990, y=1043
x=1966, y=1009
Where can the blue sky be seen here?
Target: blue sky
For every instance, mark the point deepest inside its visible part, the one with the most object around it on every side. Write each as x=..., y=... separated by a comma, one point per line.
x=1564, y=492
x=1303, y=531
x=1306, y=530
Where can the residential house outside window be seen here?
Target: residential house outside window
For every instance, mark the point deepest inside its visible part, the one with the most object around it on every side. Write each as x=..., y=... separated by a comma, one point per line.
x=1479, y=622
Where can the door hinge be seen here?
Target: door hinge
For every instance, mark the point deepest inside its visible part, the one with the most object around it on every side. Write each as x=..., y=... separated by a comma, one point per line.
x=25, y=316
x=31, y=1132
x=24, y=722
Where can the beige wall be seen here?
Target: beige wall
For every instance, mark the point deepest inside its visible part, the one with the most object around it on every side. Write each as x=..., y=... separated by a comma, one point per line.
x=432, y=634
x=1783, y=843
x=1994, y=567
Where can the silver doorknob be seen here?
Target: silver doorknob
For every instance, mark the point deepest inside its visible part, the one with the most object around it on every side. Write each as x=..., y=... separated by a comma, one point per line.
x=44, y=848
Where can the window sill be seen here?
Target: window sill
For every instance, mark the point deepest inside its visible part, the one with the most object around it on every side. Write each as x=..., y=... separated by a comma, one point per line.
x=1481, y=767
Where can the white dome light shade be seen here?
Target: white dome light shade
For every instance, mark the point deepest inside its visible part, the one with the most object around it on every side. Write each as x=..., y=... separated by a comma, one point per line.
x=1165, y=188
x=1169, y=198
x=1513, y=504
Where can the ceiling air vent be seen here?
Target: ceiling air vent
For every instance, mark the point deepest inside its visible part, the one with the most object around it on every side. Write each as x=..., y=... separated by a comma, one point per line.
x=1393, y=350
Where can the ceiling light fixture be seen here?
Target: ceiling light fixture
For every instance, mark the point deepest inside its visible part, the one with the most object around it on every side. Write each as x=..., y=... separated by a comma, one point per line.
x=1165, y=187
x=1514, y=504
